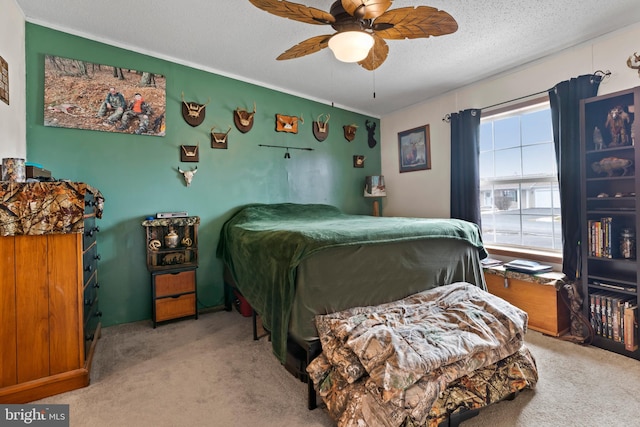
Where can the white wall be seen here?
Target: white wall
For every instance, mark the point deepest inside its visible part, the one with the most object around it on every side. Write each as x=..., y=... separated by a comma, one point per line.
x=426, y=193
x=13, y=122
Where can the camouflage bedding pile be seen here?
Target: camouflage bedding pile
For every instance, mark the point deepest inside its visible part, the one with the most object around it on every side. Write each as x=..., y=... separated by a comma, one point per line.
x=414, y=361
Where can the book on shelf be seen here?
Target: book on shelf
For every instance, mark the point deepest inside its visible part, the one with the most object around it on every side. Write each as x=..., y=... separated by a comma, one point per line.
x=608, y=314
x=614, y=286
x=631, y=326
x=602, y=233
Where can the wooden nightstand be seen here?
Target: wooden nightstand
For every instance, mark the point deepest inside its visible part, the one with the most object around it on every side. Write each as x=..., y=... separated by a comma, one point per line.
x=535, y=294
x=172, y=259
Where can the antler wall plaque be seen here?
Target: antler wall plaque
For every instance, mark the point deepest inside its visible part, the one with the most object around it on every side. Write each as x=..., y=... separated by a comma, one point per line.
x=219, y=140
x=243, y=119
x=320, y=128
x=288, y=123
x=192, y=112
x=189, y=153
x=350, y=132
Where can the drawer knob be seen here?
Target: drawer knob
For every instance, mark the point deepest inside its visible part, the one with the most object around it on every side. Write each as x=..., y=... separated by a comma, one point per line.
x=88, y=268
x=97, y=257
x=90, y=232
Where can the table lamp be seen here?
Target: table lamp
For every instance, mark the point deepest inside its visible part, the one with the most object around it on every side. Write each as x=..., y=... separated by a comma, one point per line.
x=374, y=187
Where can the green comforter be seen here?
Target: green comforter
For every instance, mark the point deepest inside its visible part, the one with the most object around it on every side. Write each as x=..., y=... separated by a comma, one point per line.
x=262, y=245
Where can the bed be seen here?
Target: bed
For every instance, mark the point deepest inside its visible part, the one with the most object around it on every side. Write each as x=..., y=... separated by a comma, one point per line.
x=294, y=261
x=302, y=266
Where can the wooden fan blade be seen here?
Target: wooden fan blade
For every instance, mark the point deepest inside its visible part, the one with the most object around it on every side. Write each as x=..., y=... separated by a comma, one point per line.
x=377, y=54
x=410, y=23
x=307, y=47
x=295, y=11
x=366, y=9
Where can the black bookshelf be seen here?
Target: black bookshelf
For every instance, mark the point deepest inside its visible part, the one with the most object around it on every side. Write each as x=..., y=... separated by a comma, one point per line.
x=610, y=202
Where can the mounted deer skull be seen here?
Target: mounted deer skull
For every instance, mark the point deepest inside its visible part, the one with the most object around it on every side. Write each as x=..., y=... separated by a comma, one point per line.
x=219, y=140
x=243, y=119
x=288, y=123
x=192, y=112
x=320, y=129
x=188, y=175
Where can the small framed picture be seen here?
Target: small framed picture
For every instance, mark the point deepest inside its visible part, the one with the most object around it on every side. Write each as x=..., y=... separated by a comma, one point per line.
x=414, y=149
x=4, y=80
x=358, y=161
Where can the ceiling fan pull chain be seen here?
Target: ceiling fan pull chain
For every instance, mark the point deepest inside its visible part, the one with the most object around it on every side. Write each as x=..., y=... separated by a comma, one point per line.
x=374, y=76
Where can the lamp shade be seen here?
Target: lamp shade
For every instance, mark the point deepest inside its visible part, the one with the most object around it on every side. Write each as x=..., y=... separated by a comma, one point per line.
x=351, y=46
x=374, y=186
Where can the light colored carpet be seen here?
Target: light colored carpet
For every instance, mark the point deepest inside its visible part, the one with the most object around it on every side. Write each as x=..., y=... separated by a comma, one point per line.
x=210, y=372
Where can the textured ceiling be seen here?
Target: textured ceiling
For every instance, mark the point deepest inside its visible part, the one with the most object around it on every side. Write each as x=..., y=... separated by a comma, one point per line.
x=235, y=39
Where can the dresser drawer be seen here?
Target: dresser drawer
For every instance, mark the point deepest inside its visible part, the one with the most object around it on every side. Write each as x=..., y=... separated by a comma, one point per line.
x=92, y=318
x=90, y=294
x=175, y=307
x=89, y=262
x=91, y=322
x=167, y=284
x=90, y=231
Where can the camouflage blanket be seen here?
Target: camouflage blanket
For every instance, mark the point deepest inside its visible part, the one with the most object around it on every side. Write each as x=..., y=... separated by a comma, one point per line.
x=394, y=364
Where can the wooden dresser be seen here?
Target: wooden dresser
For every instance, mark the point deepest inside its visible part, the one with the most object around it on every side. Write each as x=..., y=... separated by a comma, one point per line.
x=49, y=315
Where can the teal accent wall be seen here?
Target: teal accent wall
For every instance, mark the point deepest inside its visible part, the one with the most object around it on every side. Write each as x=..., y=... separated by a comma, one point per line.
x=137, y=174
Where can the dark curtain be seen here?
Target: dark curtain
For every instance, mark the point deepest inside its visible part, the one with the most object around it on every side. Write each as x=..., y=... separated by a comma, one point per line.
x=465, y=168
x=564, y=100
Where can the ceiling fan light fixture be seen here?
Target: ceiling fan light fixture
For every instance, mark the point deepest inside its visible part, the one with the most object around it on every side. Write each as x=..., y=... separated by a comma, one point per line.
x=351, y=46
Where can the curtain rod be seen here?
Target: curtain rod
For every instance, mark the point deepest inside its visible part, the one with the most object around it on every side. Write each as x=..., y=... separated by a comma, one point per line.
x=600, y=74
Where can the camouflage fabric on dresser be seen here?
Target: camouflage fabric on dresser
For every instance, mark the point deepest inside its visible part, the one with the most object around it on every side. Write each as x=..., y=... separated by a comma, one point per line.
x=37, y=208
x=414, y=361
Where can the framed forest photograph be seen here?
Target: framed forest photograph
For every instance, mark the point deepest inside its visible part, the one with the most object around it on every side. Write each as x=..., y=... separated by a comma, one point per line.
x=107, y=98
x=414, y=149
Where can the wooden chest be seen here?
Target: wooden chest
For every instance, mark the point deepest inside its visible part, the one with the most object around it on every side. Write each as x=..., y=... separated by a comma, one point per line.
x=537, y=295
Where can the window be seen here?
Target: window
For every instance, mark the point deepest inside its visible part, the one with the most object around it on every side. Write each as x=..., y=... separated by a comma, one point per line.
x=519, y=195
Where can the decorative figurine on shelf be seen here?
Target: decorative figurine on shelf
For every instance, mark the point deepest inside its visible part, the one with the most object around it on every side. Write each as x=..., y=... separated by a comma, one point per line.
x=617, y=122
x=610, y=165
x=598, y=142
x=155, y=244
x=627, y=244
x=171, y=238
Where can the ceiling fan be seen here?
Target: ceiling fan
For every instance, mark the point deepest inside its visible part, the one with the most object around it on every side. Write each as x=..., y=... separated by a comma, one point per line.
x=357, y=17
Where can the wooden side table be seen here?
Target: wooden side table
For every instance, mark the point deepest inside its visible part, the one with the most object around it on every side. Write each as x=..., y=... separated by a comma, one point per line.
x=172, y=260
x=538, y=295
